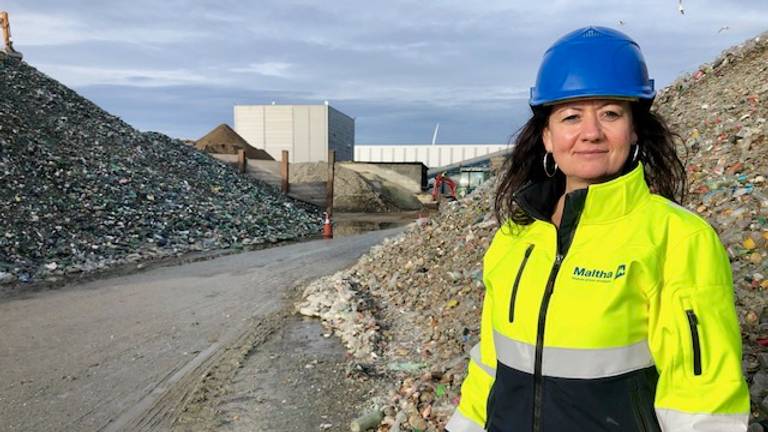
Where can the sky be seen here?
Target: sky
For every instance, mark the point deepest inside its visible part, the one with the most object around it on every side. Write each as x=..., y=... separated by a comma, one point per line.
x=397, y=67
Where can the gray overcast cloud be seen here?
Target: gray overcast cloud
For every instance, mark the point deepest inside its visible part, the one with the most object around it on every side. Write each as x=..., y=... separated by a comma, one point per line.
x=398, y=67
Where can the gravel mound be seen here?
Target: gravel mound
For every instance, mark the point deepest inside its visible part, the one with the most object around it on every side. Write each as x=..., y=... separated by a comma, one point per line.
x=224, y=140
x=353, y=192
x=82, y=190
x=409, y=311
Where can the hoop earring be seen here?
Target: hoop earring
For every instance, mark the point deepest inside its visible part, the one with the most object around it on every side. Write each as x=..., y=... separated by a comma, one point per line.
x=546, y=170
x=636, y=153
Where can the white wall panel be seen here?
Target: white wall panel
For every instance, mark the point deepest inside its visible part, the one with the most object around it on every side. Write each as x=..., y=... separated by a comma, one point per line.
x=303, y=130
x=249, y=124
x=301, y=133
x=430, y=155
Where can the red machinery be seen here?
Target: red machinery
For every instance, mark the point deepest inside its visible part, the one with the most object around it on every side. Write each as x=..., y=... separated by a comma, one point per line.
x=437, y=189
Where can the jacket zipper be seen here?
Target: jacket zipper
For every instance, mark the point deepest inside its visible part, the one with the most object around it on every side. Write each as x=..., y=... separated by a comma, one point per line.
x=562, y=246
x=537, y=378
x=517, y=284
x=693, y=323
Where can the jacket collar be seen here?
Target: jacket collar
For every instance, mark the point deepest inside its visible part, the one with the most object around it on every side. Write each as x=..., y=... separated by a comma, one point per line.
x=602, y=202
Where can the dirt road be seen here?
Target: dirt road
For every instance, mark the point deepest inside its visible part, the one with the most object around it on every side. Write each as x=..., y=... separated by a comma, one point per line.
x=122, y=353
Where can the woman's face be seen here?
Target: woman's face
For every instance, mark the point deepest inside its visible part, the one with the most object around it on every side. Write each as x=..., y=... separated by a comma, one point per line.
x=589, y=139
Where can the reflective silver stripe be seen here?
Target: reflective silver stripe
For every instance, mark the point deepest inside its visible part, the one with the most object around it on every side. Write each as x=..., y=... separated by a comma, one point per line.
x=573, y=362
x=672, y=420
x=459, y=423
x=474, y=354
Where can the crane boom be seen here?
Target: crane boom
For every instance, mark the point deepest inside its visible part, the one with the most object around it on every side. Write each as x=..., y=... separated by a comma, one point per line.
x=8, y=47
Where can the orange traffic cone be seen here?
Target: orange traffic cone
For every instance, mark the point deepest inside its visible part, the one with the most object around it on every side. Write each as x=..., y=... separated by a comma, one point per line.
x=327, y=227
x=421, y=220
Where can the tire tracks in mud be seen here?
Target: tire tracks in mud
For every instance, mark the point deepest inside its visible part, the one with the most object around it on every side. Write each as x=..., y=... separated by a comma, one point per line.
x=186, y=398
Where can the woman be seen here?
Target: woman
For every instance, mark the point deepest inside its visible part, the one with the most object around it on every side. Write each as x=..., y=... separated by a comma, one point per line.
x=608, y=307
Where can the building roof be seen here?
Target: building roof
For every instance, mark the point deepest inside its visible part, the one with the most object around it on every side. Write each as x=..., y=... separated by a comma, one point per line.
x=223, y=139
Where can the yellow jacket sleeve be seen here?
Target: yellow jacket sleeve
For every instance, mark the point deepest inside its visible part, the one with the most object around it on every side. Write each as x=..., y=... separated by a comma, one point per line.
x=695, y=340
x=471, y=412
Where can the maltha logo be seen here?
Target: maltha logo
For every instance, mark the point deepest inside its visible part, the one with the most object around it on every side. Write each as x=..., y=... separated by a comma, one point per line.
x=598, y=275
x=620, y=271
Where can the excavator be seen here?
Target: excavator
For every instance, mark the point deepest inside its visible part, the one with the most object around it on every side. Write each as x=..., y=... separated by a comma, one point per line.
x=6, y=25
x=437, y=192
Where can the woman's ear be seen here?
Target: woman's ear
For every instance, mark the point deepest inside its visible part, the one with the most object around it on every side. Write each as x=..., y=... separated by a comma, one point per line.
x=546, y=136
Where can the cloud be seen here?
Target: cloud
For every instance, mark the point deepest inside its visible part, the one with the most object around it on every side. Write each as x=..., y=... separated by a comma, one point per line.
x=41, y=29
x=79, y=76
x=442, y=96
x=271, y=69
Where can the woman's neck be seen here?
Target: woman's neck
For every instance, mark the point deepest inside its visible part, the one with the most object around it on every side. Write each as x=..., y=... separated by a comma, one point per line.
x=576, y=184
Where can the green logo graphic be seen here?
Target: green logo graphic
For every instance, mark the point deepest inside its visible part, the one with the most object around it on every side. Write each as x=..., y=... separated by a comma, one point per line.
x=620, y=271
x=598, y=275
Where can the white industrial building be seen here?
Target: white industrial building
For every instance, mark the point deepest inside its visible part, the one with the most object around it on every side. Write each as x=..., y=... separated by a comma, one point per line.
x=436, y=155
x=308, y=132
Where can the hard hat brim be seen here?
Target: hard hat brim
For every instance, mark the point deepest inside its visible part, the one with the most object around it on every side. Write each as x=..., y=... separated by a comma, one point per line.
x=585, y=98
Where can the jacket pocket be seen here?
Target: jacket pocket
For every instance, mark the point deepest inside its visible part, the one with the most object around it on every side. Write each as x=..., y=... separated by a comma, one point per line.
x=693, y=324
x=516, y=285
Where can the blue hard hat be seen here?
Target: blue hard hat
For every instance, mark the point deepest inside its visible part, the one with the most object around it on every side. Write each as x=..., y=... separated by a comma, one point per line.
x=592, y=62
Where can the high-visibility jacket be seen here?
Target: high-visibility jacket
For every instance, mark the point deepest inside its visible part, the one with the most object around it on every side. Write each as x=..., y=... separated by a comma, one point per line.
x=622, y=319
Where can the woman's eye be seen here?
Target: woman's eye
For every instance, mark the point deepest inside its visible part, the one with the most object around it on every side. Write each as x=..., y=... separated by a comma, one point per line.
x=612, y=114
x=571, y=117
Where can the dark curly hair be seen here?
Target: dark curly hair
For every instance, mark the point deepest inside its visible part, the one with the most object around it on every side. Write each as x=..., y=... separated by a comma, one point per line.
x=664, y=171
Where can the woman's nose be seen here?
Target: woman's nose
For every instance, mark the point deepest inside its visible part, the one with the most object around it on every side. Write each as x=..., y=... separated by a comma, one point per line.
x=591, y=129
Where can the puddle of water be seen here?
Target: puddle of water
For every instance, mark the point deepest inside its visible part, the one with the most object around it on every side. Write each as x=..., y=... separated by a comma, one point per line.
x=348, y=228
x=347, y=224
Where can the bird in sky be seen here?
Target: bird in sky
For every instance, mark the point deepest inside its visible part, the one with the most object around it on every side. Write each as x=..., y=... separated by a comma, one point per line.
x=621, y=22
x=680, y=7
x=724, y=28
